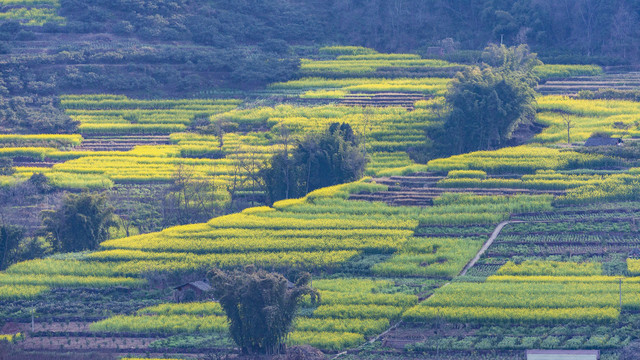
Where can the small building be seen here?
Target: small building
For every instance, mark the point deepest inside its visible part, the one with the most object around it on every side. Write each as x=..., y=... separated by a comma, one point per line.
x=603, y=141
x=191, y=291
x=563, y=354
x=435, y=51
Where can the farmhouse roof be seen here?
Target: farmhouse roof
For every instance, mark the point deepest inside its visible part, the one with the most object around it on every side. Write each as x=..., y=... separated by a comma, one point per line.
x=201, y=285
x=435, y=50
x=602, y=141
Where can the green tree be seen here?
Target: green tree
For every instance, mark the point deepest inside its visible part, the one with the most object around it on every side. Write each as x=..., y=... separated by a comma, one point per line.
x=485, y=105
x=6, y=166
x=517, y=61
x=260, y=306
x=318, y=160
x=15, y=247
x=81, y=223
x=10, y=237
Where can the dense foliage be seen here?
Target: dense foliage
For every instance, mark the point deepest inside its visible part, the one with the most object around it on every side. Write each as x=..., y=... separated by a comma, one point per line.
x=486, y=105
x=32, y=114
x=10, y=237
x=606, y=28
x=179, y=47
x=260, y=306
x=318, y=160
x=81, y=223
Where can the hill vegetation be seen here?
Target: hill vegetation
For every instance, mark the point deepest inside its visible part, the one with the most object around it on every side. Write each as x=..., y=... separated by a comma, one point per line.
x=440, y=197
x=606, y=28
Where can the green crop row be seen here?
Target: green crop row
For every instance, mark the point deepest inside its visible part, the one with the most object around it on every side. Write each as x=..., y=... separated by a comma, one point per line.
x=510, y=315
x=11, y=292
x=165, y=324
x=42, y=140
x=520, y=159
x=553, y=268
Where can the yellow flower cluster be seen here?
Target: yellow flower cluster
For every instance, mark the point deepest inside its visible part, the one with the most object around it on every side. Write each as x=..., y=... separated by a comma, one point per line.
x=553, y=268
x=164, y=324
x=11, y=292
x=613, y=117
x=514, y=315
x=519, y=159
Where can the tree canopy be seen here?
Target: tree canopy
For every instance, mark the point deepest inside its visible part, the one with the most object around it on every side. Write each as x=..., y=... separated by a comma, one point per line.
x=485, y=105
x=517, y=61
x=566, y=28
x=81, y=223
x=260, y=306
x=10, y=237
x=318, y=160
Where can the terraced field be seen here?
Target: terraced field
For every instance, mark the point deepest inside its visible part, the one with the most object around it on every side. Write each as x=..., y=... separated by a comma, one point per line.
x=385, y=252
x=571, y=86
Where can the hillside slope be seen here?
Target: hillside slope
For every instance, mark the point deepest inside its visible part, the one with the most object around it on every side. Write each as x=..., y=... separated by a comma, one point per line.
x=376, y=265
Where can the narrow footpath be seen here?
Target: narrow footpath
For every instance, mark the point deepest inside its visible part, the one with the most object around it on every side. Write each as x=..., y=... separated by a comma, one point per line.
x=486, y=245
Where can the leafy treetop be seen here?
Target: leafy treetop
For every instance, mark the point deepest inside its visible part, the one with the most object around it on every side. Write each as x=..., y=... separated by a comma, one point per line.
x=260, y=306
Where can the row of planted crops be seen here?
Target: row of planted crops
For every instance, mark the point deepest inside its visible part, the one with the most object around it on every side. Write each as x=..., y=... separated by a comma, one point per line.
x=389, y=132
x=371, y=246
x=557, y=279
x=352, y=309
x=223, y=157
x=532, y=292
x=323, y=231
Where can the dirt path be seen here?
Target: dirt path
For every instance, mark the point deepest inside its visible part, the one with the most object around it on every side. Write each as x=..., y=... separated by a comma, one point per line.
x=487, y=244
